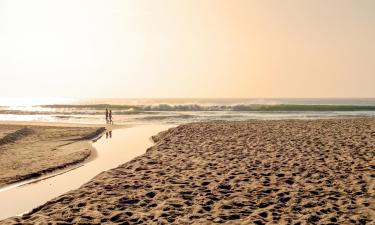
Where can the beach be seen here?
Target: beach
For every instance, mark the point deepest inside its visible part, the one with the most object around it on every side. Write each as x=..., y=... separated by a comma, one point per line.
x=255, y=172
x=30, y=151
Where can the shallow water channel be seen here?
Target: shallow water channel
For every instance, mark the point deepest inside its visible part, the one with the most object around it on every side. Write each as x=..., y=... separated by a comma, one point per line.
x=112, y=150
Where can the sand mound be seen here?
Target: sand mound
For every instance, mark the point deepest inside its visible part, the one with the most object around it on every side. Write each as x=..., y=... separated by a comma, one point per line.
x=17, y=135
x=33, y=151
x=261, y=172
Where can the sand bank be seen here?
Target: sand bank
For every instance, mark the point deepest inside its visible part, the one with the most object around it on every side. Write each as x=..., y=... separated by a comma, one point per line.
x=111, y=151
x=31, y=151
x=260, y=172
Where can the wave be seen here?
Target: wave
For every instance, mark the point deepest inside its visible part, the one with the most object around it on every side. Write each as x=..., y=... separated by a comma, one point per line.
x=303, y=108
x=167, y=117
x=67, y=112
x=135, y=109
x=154, y=110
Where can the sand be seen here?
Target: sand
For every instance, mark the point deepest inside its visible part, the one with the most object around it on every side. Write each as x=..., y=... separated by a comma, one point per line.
x=258, y=172
x=31, y=151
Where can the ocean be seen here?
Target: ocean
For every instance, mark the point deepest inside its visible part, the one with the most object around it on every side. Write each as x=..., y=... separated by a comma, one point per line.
x=177, y=111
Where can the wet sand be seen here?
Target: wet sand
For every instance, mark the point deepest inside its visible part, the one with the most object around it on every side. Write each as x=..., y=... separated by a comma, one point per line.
x=122, y=145
x=258, y=172
x=31, y=151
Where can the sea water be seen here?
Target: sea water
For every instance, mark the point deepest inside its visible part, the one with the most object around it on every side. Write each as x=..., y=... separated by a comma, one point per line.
x=177, y=111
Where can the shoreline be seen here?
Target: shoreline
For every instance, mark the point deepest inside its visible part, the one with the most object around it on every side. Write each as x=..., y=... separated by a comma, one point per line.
x=24, y=198
x=58, y=124
x=55, y=171
x=263, y=172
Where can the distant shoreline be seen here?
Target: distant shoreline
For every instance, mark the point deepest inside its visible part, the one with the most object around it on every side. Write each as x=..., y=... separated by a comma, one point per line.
x=180, y=111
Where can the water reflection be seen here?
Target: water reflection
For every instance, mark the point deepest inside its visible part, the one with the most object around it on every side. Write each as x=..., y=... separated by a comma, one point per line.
x=108, y=134
x=124, y=146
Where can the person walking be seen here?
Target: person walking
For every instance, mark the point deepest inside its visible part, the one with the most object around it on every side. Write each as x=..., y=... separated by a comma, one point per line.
x=106, y=116
x=110, y=117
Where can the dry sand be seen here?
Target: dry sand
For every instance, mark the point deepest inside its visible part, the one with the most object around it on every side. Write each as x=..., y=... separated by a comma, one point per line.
x=260, y=172
x=31, y=151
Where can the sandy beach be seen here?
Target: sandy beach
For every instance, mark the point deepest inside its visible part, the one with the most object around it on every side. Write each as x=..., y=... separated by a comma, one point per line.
x=187, y=112
x=256, y=172
x=29, y=151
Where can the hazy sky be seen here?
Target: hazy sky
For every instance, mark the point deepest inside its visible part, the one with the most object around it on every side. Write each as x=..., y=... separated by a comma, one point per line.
x=187, y=48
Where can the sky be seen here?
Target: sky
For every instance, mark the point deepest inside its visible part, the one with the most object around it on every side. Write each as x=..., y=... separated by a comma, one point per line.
x=187, y=48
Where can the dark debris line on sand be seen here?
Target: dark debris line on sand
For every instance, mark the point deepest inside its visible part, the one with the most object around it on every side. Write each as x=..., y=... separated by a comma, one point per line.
x=261, y=172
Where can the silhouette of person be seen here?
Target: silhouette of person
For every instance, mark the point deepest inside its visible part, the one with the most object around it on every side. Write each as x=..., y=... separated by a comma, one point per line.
x=106, y=135
x=106, y=116
x=110, y=134
x=110, y=117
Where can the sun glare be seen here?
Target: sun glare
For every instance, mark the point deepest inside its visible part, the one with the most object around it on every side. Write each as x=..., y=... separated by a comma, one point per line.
x=31, y=102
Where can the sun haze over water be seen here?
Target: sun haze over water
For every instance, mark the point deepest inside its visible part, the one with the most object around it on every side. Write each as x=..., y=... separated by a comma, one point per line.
x=187, y=48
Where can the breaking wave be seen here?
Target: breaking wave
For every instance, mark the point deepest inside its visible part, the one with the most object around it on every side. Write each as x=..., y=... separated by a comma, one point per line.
x=125, y=113
x=136, y=109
